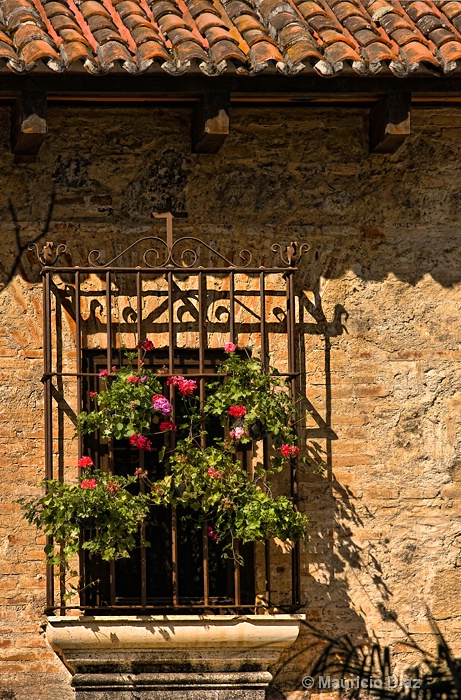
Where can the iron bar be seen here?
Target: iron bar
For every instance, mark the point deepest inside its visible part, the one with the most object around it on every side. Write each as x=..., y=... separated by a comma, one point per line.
x=78, y=350
x=108, y=320
x=236, y=573
x=214, y=605
x=48, y=414
x=291, y=321
x=197, y=375
x=143, y=554
x=232, y=306
x=267, y=570
x=202, y=344
x=266, y=460
x=112, y=583
x=174, y=515
x=187, y=271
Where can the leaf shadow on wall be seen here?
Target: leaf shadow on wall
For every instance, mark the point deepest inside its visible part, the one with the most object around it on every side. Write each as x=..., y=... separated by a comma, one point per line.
x=12, y=260
x=330, y=555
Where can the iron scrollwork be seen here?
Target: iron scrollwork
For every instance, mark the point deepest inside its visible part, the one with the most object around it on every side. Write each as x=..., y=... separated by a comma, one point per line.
x=94, y=255
x=175, y=256
x=182, y=253
x=49, y=253
x=292, y=253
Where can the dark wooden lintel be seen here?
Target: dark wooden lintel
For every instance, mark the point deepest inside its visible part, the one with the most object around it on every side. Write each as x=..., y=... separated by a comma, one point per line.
x=210, y=123
x=28, y=124
x=390, y=122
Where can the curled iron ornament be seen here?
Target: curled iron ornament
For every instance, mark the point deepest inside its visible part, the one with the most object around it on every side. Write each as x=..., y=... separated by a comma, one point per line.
x=181, y=259
x=292, y=253
x=94, y=255
x=244, y=254
x=49, y=253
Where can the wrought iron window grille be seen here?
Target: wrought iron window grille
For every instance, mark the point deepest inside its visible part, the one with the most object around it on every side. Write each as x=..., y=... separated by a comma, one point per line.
x=190, y=299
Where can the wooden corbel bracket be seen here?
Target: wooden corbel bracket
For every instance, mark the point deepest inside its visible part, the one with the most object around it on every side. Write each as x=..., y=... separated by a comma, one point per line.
x=210, y=123
x=28, y=124
x=390, y=122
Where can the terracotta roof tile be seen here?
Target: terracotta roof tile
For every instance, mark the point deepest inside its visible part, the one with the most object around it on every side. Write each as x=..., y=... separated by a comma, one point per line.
x=378, y=52
x=289, y=35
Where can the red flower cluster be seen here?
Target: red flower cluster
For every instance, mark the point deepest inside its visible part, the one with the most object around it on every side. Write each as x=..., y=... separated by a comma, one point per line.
x=132, y=380
x=88, y=484
x=185, y=386
x=112, y=487
x=237, y=411
x=214, y=474
x=230, y=347
x=93, y=394
x=85, y=462
x=289, y=450
x=168, y=425
x=146, y=345
x=212, y=534
x=141, y=442
x=104, y=373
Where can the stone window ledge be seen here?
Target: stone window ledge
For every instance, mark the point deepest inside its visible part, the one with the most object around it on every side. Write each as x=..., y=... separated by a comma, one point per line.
x=193, y=657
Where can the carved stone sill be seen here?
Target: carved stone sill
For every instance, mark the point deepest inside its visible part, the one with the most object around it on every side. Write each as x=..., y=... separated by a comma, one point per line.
x=177, y=657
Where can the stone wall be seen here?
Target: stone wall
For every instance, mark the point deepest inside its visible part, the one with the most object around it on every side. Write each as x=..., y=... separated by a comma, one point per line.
x=379, y=299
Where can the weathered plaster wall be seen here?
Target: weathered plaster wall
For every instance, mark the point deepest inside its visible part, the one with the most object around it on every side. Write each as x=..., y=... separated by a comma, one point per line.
x=380, y=295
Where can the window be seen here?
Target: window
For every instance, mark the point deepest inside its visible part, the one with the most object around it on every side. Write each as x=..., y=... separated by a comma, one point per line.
x=189, y=302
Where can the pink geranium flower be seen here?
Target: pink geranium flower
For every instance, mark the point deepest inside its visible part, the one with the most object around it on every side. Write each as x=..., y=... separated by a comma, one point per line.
x=289, y=450
x=187, y=386
x=230, y=347
x=85, y=462
x=141, y=442
x=104, y=373
x=162, y=404
x=237, y=411
x=174, y=380
x=88, y=484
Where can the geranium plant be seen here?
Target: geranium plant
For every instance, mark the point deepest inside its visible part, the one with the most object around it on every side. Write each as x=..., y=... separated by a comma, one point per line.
x=204, y=475
x=210, y=479
x=100, y=503
x=130, y=402
x=256, y=401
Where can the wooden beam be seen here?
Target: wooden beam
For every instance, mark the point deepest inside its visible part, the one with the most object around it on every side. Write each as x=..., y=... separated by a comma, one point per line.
x=390, y=122
x=28, y=124
x=210, y=123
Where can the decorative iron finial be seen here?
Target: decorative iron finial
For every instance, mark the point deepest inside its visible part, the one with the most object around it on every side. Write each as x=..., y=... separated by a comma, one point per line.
x=292, y=253
x=169, y=226
x=49, y=253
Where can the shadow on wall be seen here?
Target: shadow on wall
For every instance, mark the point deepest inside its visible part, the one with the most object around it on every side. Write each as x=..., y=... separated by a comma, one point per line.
x=329, y=549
